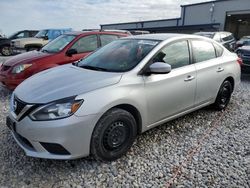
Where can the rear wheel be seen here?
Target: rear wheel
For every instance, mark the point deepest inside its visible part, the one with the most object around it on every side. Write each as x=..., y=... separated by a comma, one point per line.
x=224, y=95
x=6, y=51
x=113, y=135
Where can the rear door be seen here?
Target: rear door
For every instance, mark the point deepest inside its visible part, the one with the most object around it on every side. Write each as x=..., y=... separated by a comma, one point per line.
x=209, y=70
x=172, y=93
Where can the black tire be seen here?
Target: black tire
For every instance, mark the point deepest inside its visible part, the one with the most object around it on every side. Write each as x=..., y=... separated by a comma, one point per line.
x=113, y=135
x=6, y=51
x=224, y=95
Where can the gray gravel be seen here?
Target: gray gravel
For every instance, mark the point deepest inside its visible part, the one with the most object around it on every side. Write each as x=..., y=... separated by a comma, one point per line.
x=223, y=159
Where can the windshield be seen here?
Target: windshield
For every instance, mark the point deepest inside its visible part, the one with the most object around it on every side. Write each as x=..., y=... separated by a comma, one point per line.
x=118, y=56
x=41, y=34
x=58, y=44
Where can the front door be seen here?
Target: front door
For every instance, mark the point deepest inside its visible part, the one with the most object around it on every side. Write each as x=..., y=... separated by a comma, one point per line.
x=172, y=93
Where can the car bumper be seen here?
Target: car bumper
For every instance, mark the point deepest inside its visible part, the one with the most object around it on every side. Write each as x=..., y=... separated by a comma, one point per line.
x=9, y=82
x=67, y=138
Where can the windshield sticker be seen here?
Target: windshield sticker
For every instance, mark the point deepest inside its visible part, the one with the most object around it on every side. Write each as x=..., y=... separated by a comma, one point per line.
x=148, y=42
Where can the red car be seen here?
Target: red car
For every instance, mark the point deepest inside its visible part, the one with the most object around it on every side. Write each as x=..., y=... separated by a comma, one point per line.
x=66, y=48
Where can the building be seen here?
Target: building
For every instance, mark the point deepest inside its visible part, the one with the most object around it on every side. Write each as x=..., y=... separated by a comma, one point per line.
x=219, y=15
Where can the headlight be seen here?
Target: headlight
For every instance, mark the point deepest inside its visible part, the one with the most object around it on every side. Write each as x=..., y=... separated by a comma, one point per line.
x=20, y=68
x=56, y=110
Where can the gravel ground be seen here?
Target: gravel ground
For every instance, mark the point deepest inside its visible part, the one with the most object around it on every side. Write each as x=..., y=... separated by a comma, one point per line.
x=218, y=159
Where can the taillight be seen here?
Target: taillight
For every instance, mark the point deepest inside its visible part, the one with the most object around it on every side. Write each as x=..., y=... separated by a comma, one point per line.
x=239, y=60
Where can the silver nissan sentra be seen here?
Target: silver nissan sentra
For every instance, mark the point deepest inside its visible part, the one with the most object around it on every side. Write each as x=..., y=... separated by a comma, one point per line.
x=99, y=104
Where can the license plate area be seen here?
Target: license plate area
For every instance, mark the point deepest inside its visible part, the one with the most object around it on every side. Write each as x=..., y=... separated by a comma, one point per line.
x=11, y=124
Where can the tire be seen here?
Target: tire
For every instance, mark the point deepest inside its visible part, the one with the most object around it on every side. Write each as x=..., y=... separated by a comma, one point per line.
x=113, y=135
x=224, y=95
x=6, y=51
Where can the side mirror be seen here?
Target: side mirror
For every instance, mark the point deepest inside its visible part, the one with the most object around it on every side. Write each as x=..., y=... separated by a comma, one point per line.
x=71, y=52
x=159, y=68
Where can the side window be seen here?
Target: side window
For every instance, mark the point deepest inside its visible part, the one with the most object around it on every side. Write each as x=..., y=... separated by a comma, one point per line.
x=20, y=35
x=176, y=54
x=85, y=44
x=218, y=50
x=203, y=50
x=105, y=39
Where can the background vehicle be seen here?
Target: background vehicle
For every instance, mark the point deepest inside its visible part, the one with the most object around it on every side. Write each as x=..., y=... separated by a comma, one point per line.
x=39, y=40
x=67, y=48
x=5, y=43
x=243, y=51
x=225, y=38
x=100, y=104
x=243, y=41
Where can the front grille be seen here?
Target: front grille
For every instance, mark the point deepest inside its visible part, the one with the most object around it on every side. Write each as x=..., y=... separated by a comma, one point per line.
x=246, y=52
x=5, y=68
x=18, y=105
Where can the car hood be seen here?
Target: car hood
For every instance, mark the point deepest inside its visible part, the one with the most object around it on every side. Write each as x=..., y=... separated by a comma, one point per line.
x=27, y=57
x=62, y=82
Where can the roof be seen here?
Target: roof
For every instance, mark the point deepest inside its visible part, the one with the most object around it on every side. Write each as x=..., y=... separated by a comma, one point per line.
x=94, y=32
x=207, y=2
x=163, y=36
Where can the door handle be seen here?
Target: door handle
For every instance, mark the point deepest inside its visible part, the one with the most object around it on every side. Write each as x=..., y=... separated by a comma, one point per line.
x=220, y=69
x=189, y=78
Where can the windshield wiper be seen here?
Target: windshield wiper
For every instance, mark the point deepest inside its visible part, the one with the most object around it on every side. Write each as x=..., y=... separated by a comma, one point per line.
x=94, y=68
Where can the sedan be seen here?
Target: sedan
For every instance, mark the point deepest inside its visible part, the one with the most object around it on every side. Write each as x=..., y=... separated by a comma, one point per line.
x=98, y=105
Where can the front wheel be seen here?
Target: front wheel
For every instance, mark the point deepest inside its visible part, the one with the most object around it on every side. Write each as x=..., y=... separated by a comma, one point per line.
x=224, y=95
x=6, y=51
x=113, y=135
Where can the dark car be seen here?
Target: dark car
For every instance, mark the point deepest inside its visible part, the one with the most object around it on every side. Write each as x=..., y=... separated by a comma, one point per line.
x=242, y=42
x=225, y=38
x=66, y=48
x=5, y=49
x=243, y=52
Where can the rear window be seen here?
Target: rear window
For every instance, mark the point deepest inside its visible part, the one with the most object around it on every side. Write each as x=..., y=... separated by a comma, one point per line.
x=227, y=37
x=203, y=50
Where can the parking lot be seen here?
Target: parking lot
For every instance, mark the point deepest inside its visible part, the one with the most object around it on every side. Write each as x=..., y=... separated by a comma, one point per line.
x=206, y=148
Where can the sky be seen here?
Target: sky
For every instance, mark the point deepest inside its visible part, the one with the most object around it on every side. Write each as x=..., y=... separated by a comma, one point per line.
x=18, y=15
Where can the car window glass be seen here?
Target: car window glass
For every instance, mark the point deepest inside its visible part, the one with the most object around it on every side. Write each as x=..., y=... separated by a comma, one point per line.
x=20, y=35
x=218, y=49
x=203, y=51
x=105, y=39
x=226, y=36
x=58, y=44
x=177, y=54
x=120, y=55
x=85, y=44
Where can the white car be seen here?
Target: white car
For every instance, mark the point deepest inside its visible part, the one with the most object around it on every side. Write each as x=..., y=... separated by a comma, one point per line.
x=99, y=104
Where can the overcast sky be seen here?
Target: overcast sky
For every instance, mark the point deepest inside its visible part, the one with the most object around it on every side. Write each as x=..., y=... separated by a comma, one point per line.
x=17, y=15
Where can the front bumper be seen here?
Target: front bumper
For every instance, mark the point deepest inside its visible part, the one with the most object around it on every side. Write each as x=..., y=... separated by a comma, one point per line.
x=73, y=134
x=9, y=82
